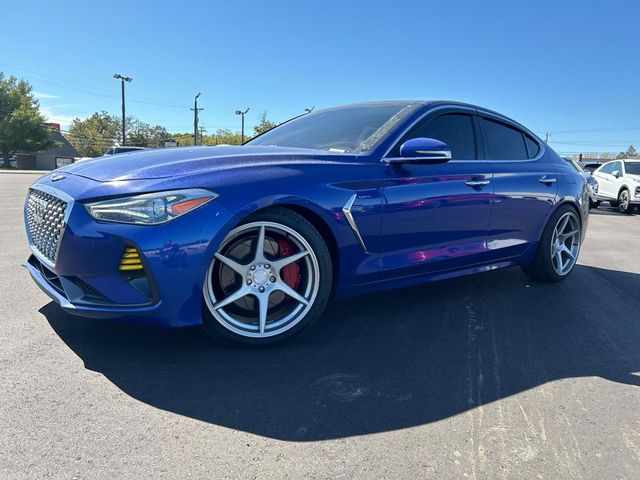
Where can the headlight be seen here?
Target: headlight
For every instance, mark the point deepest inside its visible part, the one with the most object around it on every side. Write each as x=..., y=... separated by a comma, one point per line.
x=150, y=208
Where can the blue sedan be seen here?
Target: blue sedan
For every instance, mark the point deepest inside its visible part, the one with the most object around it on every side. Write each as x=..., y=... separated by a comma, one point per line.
x=252, y=241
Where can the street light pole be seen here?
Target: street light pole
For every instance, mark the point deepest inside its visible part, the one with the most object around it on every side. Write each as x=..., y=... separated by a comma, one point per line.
x=242, y=114
x=195, y=119
x=123, y=79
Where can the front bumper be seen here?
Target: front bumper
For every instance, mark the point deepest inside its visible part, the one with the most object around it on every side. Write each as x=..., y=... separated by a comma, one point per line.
x=85, y=279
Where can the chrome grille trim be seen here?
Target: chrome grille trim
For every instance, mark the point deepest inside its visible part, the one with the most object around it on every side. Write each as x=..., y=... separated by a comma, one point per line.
x=45, y=220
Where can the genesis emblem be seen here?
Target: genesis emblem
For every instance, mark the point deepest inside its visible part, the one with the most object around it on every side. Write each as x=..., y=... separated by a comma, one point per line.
x=39, y=211
x=57, y=176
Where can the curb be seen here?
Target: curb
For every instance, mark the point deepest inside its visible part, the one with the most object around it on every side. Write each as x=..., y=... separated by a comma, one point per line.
x=32, y=172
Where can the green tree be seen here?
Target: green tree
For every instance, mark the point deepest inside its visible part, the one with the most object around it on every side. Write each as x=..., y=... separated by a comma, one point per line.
x=264, y=125
x=629, y=153
x=141, y=134
x=183, y=139
x=22, y=126
x=223, y=136
x=94, y=135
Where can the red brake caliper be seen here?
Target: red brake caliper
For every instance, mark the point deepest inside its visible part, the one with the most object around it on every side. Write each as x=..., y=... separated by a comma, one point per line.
x=290, y=273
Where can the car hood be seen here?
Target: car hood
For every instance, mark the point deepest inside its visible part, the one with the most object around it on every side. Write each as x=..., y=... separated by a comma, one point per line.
x=172, y=162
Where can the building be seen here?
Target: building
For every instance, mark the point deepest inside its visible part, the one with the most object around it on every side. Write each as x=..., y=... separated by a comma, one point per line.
x=62, y=153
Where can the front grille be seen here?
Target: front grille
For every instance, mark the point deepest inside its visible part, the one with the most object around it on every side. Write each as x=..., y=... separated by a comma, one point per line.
x=45, y=221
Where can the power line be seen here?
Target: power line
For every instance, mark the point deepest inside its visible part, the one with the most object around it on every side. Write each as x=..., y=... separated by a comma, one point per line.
x=61, y=82
x=592, y=130
x=594, y=144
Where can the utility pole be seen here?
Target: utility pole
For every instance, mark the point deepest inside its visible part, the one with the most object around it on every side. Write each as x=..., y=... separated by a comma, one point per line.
x=242, y=114
x=202, y=130
x=195, y=119
x=546, y=137
x=123, y=79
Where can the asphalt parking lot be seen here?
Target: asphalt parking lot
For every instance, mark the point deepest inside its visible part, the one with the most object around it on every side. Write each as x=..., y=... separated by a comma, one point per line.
x=490, y=376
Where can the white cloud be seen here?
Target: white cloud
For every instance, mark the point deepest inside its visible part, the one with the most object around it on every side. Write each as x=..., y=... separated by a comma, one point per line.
x=54, y=117
x=44, y=95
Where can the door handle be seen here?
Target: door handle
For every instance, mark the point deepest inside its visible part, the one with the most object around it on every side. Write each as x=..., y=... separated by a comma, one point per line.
x=477, y=183
x=547, y=181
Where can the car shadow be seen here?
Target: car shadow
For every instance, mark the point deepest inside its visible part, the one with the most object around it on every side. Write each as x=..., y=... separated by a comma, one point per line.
x=383, y=362
x=606, y=209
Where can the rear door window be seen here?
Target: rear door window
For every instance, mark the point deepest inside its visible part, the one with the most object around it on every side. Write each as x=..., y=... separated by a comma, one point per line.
x=504, y=142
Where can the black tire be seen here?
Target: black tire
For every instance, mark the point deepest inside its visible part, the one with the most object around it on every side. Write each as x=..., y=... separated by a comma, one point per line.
x=303, y=227
x=624, y=206
x=593, y=204
x=541, y=268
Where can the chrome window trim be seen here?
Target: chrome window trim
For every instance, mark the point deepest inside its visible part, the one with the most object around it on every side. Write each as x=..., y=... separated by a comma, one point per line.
x=351, y=221
x=472, y=111
x=62, y=196
x=421, y=159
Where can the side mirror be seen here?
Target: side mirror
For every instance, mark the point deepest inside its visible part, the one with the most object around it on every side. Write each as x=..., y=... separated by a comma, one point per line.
x=616, y=173
x=425, y=150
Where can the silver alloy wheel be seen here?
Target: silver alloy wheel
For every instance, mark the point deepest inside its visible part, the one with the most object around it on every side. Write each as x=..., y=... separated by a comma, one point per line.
x=565, y=243
x=261, y=278
x=623, y=201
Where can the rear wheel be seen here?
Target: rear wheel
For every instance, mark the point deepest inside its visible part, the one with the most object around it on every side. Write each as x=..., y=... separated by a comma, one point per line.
x=624, y=204
x=559, y=247
x=270, y=279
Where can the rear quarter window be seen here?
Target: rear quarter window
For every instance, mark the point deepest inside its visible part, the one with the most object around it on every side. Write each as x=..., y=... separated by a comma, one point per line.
x=533, y=148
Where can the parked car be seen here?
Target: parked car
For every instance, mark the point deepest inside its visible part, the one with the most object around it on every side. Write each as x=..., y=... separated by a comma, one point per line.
x=619, y=182
x=116, y=150
x=589, y=167
x=592, y=183
x=252, y=241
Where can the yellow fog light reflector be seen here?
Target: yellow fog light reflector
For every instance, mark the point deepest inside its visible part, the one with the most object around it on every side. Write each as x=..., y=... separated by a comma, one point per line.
x=130, y=260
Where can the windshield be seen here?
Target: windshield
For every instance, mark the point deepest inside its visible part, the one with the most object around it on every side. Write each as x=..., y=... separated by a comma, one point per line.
x=632, y=168
x=356, y=128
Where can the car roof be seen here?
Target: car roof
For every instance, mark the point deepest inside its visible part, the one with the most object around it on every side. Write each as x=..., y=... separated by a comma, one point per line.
x=437, y=103
x=409, y=103
x=628, y=160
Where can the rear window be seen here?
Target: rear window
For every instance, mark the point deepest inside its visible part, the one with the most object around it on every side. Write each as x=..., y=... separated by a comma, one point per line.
x=504, y=142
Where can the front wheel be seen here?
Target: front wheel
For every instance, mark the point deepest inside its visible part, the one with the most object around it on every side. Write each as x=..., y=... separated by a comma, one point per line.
x=269, y=280
x=559, y=247
x=624, y=204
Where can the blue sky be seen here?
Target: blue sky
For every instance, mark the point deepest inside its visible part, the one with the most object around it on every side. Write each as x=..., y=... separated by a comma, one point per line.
x=568, y=67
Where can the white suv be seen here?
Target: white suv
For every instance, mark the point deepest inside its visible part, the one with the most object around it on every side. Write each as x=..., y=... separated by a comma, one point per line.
x=619, y=184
